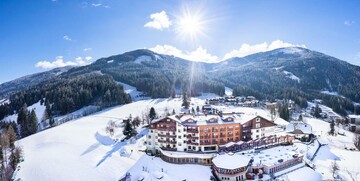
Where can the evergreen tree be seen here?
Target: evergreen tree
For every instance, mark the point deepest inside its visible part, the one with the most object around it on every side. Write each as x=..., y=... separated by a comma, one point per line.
x=52, y=122
x=173, y=112
x=197, y=109
x=332, y=128
x=185, y=102
x=192, y=110
x=128, y=129
x=300, y=118
x=152, y=113
x=317, y=111
x=22, y=113
x=284, y=112
x=32, y=123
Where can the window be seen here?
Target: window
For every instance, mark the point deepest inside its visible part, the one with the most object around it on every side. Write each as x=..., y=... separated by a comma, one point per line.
x=257, y=125
x=258, y=120
x=149, y=143
x=149, y=137
x=257, y=130
x=179, y=137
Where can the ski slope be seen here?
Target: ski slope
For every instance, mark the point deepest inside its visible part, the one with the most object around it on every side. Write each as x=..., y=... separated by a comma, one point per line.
x=81, y=150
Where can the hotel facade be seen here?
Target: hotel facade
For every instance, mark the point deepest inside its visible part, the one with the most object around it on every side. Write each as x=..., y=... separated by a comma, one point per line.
x=205, y=133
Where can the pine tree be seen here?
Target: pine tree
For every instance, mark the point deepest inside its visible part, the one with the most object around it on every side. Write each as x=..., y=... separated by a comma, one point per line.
x=284, y=112
x=152, y=113
x=22, y=120
x=332, y=128
x=173, y=112
x=197, y=109
x=22, y=115
x=185, y=102
x=128, y=129
x=32, y=123
x=317, y=111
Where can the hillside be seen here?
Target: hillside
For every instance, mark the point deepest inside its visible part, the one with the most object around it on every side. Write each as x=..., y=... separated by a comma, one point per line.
x=294, y=73
x=25, y=82
x=269, y=73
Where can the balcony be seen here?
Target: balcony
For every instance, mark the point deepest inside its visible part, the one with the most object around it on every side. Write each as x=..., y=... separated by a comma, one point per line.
x=167, y=141
x=173, y=129
x=192, y=137
x=190, y=142
x=192, y=131
x=205, y=137
x=168, y=149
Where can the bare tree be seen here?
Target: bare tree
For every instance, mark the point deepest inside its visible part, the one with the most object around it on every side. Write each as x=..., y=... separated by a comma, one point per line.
x=4, y=144
x=334, y=167
x=110, y=128
x=135, y=122
x=353, y=175
x=357, y=141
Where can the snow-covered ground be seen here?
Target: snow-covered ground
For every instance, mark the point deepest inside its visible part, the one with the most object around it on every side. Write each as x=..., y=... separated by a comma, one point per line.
x=38, y=108
x=291, y=76
x=228, y=91
x=133, y=92
x=334, y=93
x=3, y=101
x=150, y=168
x=335, y=150
x=143, y=58
x=81, y=150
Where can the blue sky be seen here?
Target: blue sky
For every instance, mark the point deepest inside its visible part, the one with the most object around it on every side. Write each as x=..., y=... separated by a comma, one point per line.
x=43, y=34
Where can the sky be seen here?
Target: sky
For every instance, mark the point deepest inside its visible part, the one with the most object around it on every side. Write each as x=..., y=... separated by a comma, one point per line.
x=40, y=35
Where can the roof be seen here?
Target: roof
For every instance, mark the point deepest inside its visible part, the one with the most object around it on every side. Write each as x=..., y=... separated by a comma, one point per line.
x=298, y=127
x=354, y=116
x=230, y=161
x=179, y=154
x=267, y=157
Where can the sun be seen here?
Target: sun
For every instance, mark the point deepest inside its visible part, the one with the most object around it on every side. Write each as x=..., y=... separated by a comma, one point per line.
x=190, y=25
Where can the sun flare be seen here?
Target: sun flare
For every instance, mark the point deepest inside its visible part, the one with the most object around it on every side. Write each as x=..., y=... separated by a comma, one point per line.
x=190, y=25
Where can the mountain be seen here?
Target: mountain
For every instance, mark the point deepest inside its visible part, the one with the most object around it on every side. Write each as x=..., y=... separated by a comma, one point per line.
x=295, y=67
x=25, y=82
x=293, y=73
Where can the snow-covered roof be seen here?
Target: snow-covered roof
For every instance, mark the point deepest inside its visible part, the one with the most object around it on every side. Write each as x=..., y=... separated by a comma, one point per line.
x=299, y=127
x=230, y=161
x=179, y=154
x=267, y=157
x=354, y=116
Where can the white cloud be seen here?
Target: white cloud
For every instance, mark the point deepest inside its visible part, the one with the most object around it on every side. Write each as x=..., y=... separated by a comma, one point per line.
x=59, y=62
x=87, y=49
x=67, y=38
x=159, y=21
x=349, y=22
x=247, y=49
x=199, y=55
x=96, y=4
x=100, y=5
